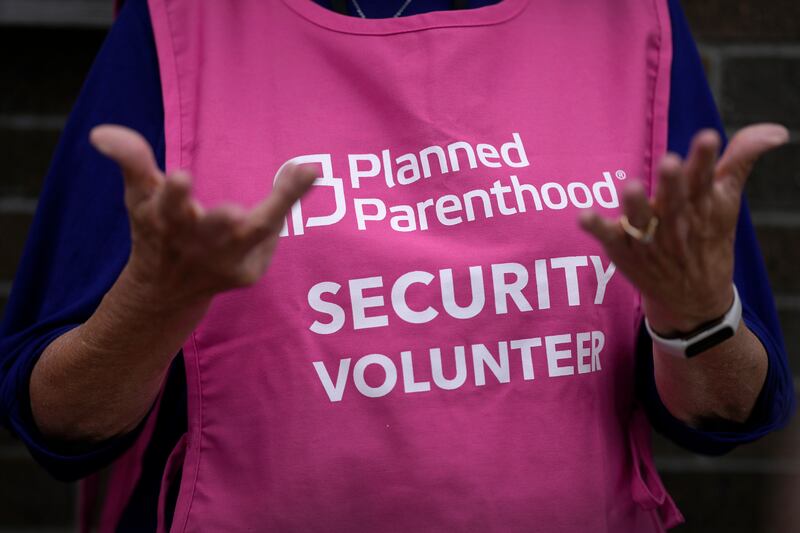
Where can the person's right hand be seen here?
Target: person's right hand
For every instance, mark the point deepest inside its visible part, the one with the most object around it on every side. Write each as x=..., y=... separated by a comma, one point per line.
x=181, y=252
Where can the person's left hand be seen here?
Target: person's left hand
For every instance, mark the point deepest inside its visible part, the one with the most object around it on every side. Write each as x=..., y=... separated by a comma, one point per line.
x=685, y=273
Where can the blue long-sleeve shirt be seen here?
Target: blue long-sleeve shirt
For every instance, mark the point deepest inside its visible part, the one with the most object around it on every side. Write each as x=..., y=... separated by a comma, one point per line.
x=80, y=241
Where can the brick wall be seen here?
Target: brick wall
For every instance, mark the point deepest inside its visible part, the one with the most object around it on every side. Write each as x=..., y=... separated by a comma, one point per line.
x=752, y=51
x=47, y=48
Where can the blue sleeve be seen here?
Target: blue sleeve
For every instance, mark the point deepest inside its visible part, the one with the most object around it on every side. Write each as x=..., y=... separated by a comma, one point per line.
x=79, y=240
x=692, y=108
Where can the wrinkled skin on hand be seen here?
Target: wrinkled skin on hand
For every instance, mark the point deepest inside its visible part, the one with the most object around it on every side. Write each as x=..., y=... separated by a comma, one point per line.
x=685, y=274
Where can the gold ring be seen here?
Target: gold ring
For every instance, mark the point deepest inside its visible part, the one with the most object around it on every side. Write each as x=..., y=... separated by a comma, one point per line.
x=644, y=236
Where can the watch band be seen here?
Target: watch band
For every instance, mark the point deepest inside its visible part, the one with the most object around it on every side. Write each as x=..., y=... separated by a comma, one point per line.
x=707, y=337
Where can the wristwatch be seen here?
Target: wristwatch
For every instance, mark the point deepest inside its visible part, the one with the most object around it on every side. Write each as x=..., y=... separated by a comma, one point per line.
x=705, y=337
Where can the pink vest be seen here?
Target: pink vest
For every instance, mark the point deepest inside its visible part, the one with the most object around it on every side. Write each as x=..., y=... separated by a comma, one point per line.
x=437, y=346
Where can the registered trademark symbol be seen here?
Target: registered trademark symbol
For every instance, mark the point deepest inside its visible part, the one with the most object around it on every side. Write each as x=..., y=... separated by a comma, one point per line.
x=621, y=175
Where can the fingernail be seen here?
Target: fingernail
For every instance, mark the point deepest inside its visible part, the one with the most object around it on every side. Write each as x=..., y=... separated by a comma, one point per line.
x=100, y=146
x=181, y=176
x=780, y=134
x=96, y=140
x=585, y=217
x=308, y=172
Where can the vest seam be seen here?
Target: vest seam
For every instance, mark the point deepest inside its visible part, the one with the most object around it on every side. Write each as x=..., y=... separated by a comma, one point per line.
x=654, y=97
x=523, y=6
x=177, y=81
x=657, y=137
x=199, y=432
x=170, y=74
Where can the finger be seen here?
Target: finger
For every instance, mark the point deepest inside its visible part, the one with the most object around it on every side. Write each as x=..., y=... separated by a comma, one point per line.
x=292, y=182
x=221, y=223
x=672, y=192
x=670, y=205
x=745, y=148
x=699, y=165
x=133, y=154
x=175, y=204
x=606, y=231
x=636, y=205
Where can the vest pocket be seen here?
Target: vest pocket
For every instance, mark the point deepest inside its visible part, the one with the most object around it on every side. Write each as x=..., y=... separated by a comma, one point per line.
x=647, y=489
x=170, y=481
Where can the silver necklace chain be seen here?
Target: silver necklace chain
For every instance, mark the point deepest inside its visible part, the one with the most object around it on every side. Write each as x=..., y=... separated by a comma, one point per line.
x=399, y=11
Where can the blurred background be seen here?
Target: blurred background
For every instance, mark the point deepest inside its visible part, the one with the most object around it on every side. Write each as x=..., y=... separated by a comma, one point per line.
x=751, y=49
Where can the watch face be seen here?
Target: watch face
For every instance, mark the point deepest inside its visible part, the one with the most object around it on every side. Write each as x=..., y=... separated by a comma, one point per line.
x=709, y=342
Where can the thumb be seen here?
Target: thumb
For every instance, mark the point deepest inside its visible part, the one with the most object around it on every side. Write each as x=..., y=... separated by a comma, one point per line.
x=134, y=156
x=292, y=182
x=745, y=148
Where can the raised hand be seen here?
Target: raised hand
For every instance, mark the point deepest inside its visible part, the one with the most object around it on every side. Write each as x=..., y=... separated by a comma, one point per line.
x=685, y=271
x=183, y=252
